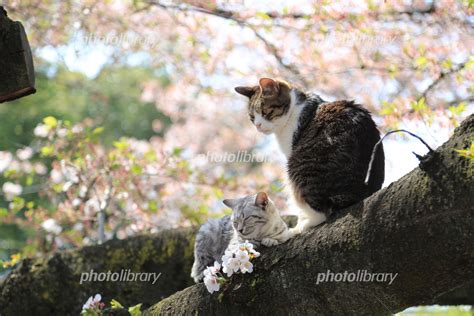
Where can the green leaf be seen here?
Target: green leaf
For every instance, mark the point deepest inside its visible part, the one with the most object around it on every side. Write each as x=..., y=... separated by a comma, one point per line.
x=89, y=312
x=153, y=206
x=458, y=110
x=203, y=209
x=421, y=62
x=392, y=70
x=115, y=304
x=176, y=151
x=323, y=29
x=469, y=63
x=218, y=193
x=17, y=204
x=9, y=173
x=29, y=180
x=135, y=310
x=447, y=64
x=121, y=145
x=51, y=121
x=388, y=108
x=371, y=5
x=98, y=130
x=136, y=169
x=3, y=212
x=263, y=16
x=47, y=151
x=467, y=153
x=150, y=155
x=58, y=187
x=419, y=105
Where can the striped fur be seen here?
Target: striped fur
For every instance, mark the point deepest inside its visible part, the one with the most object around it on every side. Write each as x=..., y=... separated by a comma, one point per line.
x=254, y=218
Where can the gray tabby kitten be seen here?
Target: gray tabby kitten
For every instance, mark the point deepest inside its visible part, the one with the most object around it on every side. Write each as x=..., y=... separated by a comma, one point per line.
x=254, y=218
x=328, y=146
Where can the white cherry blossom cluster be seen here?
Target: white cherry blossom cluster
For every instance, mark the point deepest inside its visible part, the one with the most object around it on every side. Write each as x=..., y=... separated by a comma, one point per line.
x=235, y=259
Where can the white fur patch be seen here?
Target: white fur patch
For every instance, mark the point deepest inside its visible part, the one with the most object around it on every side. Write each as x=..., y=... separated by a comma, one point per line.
x=307, y=218
x=285, y=126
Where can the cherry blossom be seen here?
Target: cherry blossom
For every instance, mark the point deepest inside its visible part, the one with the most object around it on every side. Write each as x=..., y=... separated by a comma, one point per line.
x=10, y=190
x=93, y=302
x=42, y=130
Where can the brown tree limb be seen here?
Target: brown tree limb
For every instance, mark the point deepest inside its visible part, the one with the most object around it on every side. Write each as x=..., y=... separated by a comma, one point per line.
x=51, y=285
x=441, y=77
x=230, y=15
x=419, y=227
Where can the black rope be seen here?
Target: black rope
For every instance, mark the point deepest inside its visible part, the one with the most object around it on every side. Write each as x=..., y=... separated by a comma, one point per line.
x=372, y=157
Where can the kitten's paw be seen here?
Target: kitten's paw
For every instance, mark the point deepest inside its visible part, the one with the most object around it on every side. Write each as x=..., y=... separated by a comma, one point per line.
x=292, y=232
x=269, y=242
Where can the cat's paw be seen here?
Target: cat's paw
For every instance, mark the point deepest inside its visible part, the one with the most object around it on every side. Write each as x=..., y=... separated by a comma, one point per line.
x=269, y=242
x=292, y=232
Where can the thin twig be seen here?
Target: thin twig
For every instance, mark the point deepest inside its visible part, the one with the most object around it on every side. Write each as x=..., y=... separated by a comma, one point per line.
x=372, y=157
x=230, y=15
x=441, y=76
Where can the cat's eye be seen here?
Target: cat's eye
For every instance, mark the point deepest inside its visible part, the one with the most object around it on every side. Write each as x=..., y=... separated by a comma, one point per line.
x=267, y=114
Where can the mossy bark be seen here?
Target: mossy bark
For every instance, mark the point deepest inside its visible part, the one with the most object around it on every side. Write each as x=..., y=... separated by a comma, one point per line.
x=51, y=286
x=420, y=227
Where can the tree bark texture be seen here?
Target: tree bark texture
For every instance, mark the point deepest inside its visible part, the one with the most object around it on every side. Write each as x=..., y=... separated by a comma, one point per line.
x=421, y=227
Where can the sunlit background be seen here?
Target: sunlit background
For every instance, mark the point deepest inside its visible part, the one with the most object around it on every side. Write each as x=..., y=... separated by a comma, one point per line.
x=135, y=123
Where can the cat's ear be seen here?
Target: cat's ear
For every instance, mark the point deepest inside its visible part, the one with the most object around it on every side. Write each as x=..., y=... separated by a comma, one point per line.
x=261, y=200
x=230, y=202
x=247, y=91
x=270, y=88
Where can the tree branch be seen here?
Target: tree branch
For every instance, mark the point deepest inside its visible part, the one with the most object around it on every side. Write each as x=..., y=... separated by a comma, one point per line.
x=230, y=15
x=419, y=227
x=51, y=285
x=440, y=78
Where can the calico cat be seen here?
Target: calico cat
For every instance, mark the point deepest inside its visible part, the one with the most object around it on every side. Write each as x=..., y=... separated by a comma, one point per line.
x=328, y=146
x=254, y=218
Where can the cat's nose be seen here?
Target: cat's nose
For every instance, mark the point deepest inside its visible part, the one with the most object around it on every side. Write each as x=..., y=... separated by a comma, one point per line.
x=241, y=230
x=258, y=125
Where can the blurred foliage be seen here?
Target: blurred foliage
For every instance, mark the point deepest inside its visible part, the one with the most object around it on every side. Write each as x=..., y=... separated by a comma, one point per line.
x=410, y=70
x=112, y=100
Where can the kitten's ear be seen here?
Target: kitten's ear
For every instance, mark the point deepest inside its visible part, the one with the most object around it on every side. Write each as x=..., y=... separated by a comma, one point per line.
x=230, y=202
x=270, y=88
x=261, y=200
x=247, y=91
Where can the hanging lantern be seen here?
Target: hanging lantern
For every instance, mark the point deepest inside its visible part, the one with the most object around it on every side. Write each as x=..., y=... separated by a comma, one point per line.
x=17, y=76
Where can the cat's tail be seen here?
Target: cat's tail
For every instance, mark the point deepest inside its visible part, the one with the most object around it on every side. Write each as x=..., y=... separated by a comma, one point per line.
x=197, y=272
x=210, y=238
x=374, y=163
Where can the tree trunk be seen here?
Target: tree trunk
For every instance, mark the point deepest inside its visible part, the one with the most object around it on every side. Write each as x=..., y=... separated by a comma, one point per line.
x=17, y=77
x=51, y=286
x=420, y=227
